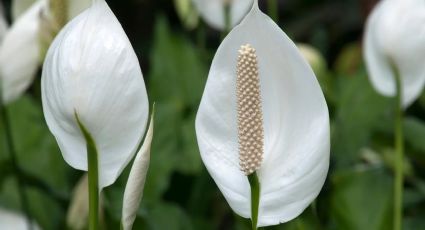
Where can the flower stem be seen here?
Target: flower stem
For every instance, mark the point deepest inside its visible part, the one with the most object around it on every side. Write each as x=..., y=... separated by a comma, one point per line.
x=93, y=177
x=15, y=164
x=273, y=10
x=255, y=198
x=399, y=158
x=227, y=20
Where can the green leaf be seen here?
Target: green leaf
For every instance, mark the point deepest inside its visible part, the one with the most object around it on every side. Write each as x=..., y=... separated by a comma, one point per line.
x=362, y=199
x=37, y=151
x=359, y=112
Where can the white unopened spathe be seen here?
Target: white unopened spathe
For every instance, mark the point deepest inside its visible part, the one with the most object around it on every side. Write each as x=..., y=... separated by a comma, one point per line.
x=395, y=42
x=136, y=181
x=213, y=11
x=295, y=120
x=92, y=71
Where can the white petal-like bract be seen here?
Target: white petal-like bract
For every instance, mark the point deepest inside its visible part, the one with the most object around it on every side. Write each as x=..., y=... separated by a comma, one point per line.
x=395, y=41
x=20, y=53
x=92, y=70
x=10, y=220
x=213, y=11
x=295, y=117
x=136, y=181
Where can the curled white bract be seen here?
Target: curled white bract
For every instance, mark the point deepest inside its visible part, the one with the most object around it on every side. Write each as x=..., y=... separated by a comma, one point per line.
x=92, y=70
x=394, y=43
x=295, y=120
x=213, y=11
x=136, y=181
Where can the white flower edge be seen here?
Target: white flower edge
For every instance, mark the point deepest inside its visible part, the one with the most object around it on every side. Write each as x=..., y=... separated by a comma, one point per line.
x=212, y=11
x=296, y=124
x=91, y=69
x=136, y=180
x=15, y=221
x=387, y=48
x=20, y=53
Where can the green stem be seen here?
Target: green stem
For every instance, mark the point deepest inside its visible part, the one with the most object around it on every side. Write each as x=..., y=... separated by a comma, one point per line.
x=227, y=20
x=273, y=10
x=255, y=198
x=93, y=177
x=15, y=163
x=399, y=159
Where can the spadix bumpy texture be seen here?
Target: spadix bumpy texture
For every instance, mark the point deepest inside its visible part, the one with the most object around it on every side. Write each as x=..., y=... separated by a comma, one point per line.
x=395, y=41
x=91, y=69
x=20, y=53
x=295, y=121
x=213, y=11
x=250, y=116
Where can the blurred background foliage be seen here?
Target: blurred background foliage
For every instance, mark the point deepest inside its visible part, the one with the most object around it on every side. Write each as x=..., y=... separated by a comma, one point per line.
x=179, y=193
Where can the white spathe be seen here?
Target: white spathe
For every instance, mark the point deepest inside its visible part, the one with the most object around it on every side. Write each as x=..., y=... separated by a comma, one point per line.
x=136, y=181
x=395, y=41
x=20, y=53
x=212, y=11
x=296, y=124
x=15, y=221
x=92, y=70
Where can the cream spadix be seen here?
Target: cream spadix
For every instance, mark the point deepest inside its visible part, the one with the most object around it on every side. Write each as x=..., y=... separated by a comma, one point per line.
x=92, y=71
x=394, y=43
x=213, y=11
x=263, y=111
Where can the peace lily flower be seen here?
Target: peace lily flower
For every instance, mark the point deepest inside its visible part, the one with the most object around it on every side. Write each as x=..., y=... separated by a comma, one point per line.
x=263, y=113
x=91, y=73
x=10, y=220
x=136, y=181
x=213, y=11
x=18, y=68
x=30, y=32
x=389, y=51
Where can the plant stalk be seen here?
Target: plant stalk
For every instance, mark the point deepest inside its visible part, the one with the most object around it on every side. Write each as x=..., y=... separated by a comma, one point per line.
x=399, y=158
x=15, y=163
x=255, y=199
x=93, y=172
x=273, y=10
